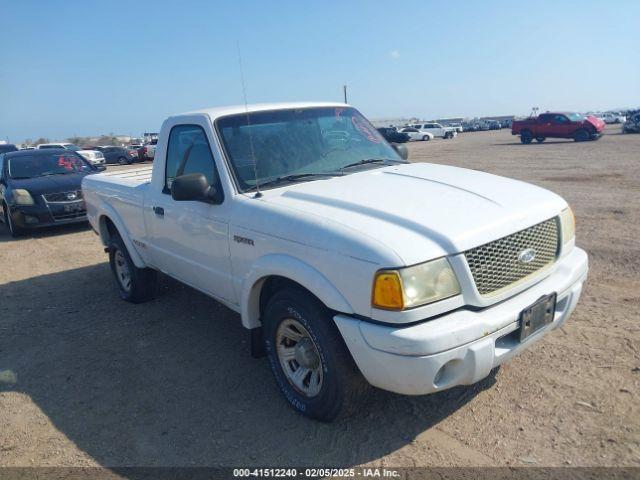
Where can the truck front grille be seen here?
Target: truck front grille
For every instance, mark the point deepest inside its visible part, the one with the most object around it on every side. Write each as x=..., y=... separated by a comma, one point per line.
x=500, y=264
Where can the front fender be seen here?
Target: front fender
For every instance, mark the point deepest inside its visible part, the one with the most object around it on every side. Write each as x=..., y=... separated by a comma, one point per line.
x=293, y=269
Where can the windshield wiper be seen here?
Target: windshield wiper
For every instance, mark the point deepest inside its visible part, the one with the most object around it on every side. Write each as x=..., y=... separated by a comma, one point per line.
x=371, y=160
x=48, y=174
x=291, y=178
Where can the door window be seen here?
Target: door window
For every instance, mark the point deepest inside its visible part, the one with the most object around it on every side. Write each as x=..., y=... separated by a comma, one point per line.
x=188, y=151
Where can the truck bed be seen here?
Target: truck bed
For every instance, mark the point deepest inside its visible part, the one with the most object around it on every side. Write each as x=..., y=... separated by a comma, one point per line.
x=121, y=192
x=130, y=178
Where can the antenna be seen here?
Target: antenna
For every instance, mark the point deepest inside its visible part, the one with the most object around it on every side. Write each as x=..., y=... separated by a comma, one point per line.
x=246, y=111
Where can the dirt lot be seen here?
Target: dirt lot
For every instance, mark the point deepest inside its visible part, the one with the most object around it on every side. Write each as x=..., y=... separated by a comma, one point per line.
x=86, y=379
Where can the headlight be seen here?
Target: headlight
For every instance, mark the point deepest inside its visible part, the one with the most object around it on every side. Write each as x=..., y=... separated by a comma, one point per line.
x=414, y=286
x=568, y=225
x=22, y=197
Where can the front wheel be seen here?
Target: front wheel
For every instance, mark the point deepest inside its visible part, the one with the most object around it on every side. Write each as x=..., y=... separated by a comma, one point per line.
x=123, y=161
x=310, y=362
x=14, y=230
x=426, y=138
x=581, y=135
x=135, y=285
x=540, y=139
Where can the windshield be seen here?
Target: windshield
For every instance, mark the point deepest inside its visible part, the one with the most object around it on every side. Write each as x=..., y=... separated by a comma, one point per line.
x=72, y=147
x=300, y=141
x=32, y=166
x=575, y=117
x=7, y=148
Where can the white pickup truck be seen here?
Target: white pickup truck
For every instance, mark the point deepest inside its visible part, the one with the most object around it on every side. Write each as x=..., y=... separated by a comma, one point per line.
x=344, y=261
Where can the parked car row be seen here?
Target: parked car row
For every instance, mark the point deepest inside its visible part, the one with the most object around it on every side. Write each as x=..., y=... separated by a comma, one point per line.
x=418, y=132
x=95, y=157
x=610, y=117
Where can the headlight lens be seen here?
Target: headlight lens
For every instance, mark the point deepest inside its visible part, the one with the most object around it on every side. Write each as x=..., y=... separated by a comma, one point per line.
x=568, y=225
x=414, y=286
x=22, y=197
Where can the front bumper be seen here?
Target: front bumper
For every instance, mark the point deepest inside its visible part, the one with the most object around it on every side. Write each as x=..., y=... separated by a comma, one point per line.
x=36, y=216
x=462, y=347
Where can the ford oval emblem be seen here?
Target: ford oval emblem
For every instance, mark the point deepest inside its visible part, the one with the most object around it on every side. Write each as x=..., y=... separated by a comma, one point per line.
x=527, y=256
x=71, y=196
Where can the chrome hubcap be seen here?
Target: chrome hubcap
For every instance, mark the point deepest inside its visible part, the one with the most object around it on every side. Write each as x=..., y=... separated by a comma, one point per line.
x=299, y=357
x=122, y=271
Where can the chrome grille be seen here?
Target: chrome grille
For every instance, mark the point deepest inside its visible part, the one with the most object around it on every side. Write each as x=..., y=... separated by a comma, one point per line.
x=497, y=265
x=63, y=196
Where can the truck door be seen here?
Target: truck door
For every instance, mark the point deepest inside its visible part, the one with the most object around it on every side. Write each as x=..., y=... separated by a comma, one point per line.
x=189, y=240
x=562, y=126
x=544, y=127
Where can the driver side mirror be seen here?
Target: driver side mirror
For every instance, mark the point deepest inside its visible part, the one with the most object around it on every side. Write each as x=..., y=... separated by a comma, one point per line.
x=192, y=187
x=401, y=149
x=100, y=168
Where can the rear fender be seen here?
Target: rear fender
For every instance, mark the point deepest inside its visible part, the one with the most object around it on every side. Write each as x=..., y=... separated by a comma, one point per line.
x=108, y=212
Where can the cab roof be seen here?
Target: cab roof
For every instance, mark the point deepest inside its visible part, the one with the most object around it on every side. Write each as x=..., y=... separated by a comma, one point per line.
x=217, y=112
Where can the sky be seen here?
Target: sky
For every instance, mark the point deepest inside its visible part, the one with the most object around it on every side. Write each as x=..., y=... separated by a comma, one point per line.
x=90, y=67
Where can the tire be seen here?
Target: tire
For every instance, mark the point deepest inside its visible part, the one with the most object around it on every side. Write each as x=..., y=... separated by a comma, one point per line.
x=426, y=138
x=581, y=135
x=14, y=230
x=135, y=285
x=123, y=161
x=540, y=139
x=526, y=137
x=331, y=383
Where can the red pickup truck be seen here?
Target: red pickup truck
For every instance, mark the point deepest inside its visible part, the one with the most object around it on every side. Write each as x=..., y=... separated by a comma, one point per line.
x=558, y=125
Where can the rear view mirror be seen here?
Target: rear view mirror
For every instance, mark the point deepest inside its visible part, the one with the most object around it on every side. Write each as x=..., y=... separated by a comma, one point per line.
x=401, y=149
x=194, y=187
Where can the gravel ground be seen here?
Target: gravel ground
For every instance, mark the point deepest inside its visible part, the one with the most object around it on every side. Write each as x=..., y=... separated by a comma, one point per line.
x=86, y=379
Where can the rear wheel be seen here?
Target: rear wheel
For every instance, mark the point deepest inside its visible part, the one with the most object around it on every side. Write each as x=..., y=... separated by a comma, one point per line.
x=136, y=285
x=123, y=161
x=581, y=135
x=540, y=139
x=310, y=362
x=526, y=137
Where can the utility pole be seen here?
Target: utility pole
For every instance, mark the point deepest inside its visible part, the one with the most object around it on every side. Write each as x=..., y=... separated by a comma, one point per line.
x=344, y=89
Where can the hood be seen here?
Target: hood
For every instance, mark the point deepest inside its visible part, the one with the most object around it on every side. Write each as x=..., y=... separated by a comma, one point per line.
x=596, y=122
x=50, y=184
x=422, y=211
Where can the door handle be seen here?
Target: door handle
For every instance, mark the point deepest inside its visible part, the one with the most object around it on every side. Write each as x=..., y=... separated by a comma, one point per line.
x=159, y=211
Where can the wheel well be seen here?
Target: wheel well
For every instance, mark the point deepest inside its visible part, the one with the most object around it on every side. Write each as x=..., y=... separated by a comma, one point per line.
x=273, y=284
x=107, y=228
